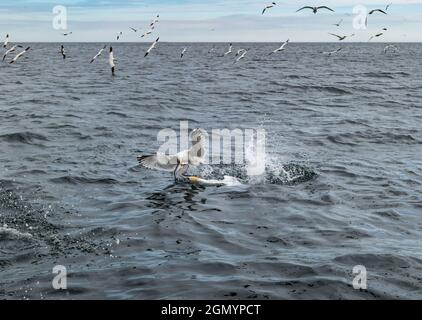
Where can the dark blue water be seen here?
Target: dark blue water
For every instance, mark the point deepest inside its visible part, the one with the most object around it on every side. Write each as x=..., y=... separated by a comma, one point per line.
x=342, y=185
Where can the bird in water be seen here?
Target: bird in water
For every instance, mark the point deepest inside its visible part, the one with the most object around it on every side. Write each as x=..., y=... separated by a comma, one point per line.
x=63, y=52
x=178, y=163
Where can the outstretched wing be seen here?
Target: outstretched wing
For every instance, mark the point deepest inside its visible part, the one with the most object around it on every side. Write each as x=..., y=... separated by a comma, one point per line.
x=325, y=7
x=160, y=162
x=307, y=7
x=335, y=35
x=379, y=10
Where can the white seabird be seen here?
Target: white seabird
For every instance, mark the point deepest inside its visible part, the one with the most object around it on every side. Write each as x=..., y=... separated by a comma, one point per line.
x=183, y=52
x=98, y=54
x=315, y=9
x=67, y=34
x=228, y=51
x=269, y=7
x=329, y=53
x=178, y=163
x=148, y=32
x=227, y=181
x=372, y=12
x=392, y=47
x=341, y=38
x=119, y=35
x=338, y=23
x=155, y=20
x=6, y=41
x=379, y=34
x=281, y=48
x=20, y=54
x=111, y=60
x=152, y=46
x=12, y=49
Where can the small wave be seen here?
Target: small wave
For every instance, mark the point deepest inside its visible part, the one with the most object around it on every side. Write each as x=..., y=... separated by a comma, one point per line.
x=388, y=75
x=83, y=180
x=22, y=137
x=329, y=89
x=378, y=75
x=119, y=114
x=369, y=136
x=10, y=233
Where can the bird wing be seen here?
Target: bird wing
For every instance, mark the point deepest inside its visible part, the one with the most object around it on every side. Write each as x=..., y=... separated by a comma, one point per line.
x=306, y=7
x=158, y=162
x=325, y=7
x=335, y=35
x=379, y=10
x=263, y=11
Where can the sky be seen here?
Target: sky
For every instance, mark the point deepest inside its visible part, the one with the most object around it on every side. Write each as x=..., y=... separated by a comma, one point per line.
x=207, y=21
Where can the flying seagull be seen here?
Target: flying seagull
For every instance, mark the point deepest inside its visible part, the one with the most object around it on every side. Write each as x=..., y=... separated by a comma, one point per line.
x=315, y=9
x=63, y=52
x=20, y=54
x=377, y=10
x=67, y=34
x=372, y=12
x=281, y=48
x=119, y=35
x=98, y=54
x=379, y=34
x=341, y=38
x=228, y=51
x=183, y=52
x=269, y=7
x=111, y=60
x=338, y=24
x=12, y=49
x=152, y=46
x=329, y=53
x=148, y=32
x=154, y=21
x=392, y=47
x=178, y=163
x=6, y=42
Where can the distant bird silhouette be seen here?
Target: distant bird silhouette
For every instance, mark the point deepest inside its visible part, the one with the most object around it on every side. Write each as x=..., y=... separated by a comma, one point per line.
x=269, y=7
x=152, y=47
x=315, y=9
x=341, y=38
